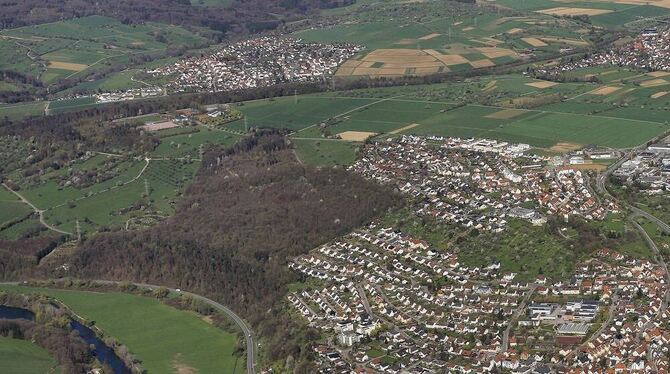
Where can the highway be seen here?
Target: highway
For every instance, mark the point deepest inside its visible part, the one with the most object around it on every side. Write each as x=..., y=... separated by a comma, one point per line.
x=246, y=330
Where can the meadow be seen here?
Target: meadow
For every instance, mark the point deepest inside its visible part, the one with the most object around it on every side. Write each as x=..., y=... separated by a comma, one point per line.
x=167, y=340
x=19, y=356
x=324, y=152
x=386, y=111
x=69, y=47
x=21, y=110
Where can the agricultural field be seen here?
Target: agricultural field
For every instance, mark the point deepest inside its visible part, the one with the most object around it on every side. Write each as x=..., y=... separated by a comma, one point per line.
x=444, y=40
x=165, y=339
x=21, y=110
x=66, y=48
x=60, y=106
x=19, y=356
x=575, y=119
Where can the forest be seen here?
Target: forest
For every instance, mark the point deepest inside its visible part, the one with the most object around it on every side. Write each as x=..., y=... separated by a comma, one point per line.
x=249, y=210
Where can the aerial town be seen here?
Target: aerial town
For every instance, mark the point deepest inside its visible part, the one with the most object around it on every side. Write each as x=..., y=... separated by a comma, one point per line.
x=393, y=303
x=480, y=183
x=650, y=51
x=380, y=302
x=649, y=168
x=255, y=63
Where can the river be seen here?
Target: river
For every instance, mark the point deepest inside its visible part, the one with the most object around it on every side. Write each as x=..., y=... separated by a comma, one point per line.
x=100, y=350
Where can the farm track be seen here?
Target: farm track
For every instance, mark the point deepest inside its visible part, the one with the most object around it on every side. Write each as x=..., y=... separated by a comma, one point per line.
x=39, y=212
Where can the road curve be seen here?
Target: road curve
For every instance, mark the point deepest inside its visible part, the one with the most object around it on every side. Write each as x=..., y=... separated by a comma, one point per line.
x=218, y=306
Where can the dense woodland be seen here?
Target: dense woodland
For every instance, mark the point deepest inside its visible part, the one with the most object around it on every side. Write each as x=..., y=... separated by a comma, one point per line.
x=249, y=211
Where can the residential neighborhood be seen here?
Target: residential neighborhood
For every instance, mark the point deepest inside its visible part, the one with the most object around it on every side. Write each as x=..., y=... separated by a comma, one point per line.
x=393, y=304
x=256, y=63
x=480, y=183
x=649, y=51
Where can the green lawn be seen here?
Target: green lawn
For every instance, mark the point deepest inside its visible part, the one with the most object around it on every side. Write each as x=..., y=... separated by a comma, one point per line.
x=23, y=357
x=159, y=335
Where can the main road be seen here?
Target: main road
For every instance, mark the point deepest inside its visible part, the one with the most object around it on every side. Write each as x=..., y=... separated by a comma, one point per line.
x=246, y=330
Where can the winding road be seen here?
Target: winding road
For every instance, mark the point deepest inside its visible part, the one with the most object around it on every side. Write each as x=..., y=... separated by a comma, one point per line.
x=246, y=330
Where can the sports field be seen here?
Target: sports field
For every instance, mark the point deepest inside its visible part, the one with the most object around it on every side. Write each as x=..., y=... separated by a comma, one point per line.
x=167, y=340
x=19, y=356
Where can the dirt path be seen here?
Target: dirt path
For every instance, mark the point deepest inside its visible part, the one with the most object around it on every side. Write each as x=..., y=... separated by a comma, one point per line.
x=40, y=212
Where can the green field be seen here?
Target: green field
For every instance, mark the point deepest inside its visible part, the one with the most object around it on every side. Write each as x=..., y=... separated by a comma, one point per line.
x=130, y=189
x=183, y=145
x=11, y=208
x=447, y=28
x=23, y=357
x=159, y=335
x=621, y=127
x=325, y=152
x=308, y=110
x=92, y=43
x=60, y=106
x=18, y=111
